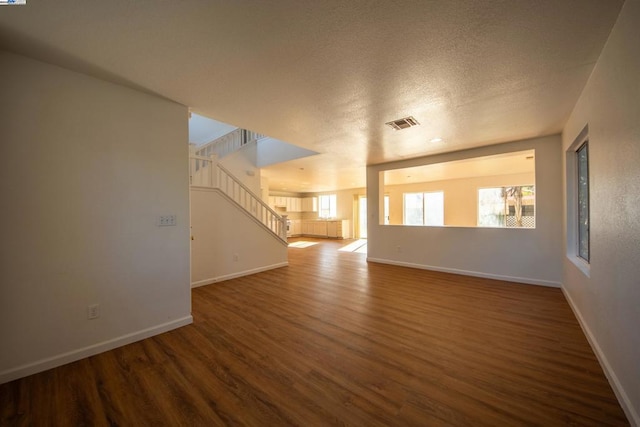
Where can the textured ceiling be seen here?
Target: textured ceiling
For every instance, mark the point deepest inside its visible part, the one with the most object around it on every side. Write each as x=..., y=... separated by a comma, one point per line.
x=327, y=75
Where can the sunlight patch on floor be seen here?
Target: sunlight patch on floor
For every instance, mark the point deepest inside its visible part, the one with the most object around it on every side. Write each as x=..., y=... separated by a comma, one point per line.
x=359, y=246
x=302, y=244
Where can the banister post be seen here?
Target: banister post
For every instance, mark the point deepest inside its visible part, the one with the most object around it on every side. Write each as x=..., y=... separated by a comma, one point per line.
x=283, y=226
x=214, y=171
x=192, y=162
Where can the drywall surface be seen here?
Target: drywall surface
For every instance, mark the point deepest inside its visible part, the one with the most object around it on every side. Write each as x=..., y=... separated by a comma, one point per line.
x=523, y=255
x=242, y=165
x=227, y=242
x=607, y=299
x=86, y=168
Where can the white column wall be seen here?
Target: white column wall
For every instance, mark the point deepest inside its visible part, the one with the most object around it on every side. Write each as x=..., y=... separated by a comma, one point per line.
x=521, y=255
x=607, y=299
x=86, y=168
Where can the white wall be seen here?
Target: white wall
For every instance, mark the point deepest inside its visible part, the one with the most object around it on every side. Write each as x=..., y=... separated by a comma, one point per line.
x=607, y=301
x=242, y=164
x=509, y=254
x=222, y=230
x=86, y=168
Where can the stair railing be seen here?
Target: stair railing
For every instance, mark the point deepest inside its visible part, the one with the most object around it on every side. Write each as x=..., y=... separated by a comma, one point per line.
x=207, y=172
x=228, y=143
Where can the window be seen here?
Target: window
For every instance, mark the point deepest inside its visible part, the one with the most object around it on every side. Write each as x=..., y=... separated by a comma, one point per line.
x=460, y=179
x=512, y=206
x=424, y=208
x=578, y=220
x=582, y=154
x=327, y=206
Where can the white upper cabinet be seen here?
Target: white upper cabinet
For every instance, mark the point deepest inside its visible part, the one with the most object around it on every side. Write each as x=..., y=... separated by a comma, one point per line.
x=310, y=204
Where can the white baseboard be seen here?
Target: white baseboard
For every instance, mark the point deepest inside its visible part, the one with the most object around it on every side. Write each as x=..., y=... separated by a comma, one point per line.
x=526, y=280
x=624, y=400
x=238, y=274
x=81, y=353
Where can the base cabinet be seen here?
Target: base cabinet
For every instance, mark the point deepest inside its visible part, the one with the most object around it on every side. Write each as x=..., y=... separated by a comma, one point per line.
x=307, y=228
x=333, y=229
x=295, y=228
x=320, y=228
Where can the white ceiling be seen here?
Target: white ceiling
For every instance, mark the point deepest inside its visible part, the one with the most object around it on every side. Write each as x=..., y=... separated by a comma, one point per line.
x=327, y=75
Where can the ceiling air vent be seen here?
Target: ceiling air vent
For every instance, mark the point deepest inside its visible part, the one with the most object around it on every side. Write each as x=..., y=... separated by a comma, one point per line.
x=404, y=123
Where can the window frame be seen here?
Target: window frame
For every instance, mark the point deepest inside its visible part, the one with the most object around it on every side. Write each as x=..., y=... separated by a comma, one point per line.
x=505, y=226
x=584, y=147
x=424, y=210
x=333, y=206
x=571, y=182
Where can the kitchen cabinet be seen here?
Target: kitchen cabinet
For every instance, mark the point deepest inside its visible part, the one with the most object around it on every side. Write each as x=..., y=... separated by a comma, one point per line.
x=296, y=227
x=333, y=229
x=294, y=204
x=320, y=228
x=290, y=204
x=277, y=201
x=307, y=228
x=310, y=204
x=338, y=229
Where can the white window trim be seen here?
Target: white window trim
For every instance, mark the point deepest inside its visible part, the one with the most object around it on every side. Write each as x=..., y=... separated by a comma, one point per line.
x=571, y=159
x=404, y=209
x=333, y=207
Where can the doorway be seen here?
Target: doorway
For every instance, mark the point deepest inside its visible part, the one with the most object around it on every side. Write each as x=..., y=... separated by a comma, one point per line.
x=362, y=217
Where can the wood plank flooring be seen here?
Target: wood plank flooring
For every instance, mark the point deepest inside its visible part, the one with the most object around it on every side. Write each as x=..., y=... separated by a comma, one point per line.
x=332, y=340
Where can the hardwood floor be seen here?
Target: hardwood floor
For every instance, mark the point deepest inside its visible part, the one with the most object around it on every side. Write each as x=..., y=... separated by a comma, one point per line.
x=334, y=340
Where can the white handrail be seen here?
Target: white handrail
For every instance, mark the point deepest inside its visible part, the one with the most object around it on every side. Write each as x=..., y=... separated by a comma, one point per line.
x=207, y=172
x=228, y=143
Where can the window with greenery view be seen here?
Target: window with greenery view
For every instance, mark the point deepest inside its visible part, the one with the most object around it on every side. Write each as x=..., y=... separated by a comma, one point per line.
x=583, y=201
x=512, y=206
x=424, y=208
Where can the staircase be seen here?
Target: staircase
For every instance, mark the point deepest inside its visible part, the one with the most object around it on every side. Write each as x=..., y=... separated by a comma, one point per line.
x=228, y=143
x=206, y=171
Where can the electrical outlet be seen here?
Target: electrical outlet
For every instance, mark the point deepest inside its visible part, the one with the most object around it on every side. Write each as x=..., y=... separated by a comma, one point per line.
x=167, y=220
x=236, y=257
x=93, y=311
x=398, y=249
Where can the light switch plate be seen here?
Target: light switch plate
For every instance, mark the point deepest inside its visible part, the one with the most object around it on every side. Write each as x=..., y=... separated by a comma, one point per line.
x=167, y=220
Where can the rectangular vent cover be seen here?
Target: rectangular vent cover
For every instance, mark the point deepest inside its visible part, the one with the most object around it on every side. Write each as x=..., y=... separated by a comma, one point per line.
x=404, y=123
